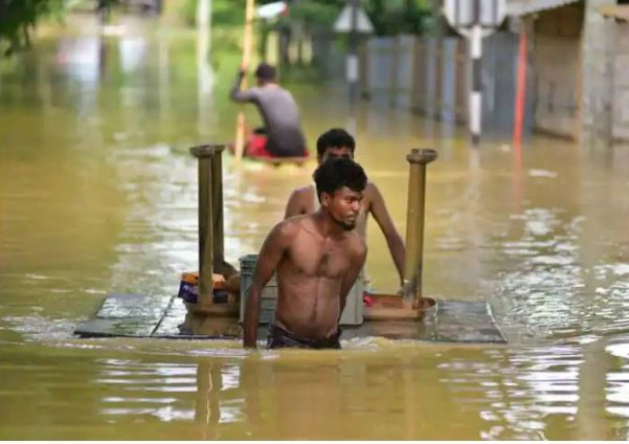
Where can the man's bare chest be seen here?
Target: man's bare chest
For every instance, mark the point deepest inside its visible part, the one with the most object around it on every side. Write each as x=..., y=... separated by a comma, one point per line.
x=319, y=258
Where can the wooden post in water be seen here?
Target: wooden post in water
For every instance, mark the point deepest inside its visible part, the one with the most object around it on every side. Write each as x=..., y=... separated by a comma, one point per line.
x=217, y=207
x=220, y=265
x=418, y=159
x=206, y=155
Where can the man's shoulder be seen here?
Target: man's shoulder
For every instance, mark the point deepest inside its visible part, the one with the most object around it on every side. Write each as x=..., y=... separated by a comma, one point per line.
x=302, y=193
x=292, y=225
x=287, y=229
x=370, y=193
x=255, y=91
x=355, y=243
x=273, y=89
x=371, y=189
x=278, y=87
x=280, y=90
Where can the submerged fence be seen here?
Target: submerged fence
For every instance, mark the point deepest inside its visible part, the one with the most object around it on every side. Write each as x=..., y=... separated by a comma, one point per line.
x=432, y=77
x=416, y=74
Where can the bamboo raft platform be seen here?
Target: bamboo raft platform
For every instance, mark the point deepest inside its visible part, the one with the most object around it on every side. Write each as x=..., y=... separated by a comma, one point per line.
x=137, y=316
x=411, y=316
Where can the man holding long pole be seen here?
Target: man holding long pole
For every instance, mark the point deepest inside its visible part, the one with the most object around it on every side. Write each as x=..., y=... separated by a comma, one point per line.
x=281, y=135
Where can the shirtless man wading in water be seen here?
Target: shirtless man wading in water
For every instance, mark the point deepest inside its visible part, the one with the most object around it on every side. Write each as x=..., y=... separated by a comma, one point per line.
x=317, y=258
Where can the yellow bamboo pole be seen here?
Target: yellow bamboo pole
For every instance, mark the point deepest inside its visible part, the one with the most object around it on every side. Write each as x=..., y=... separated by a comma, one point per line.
x=207, y=201
x=417, y=159
x=246, y=59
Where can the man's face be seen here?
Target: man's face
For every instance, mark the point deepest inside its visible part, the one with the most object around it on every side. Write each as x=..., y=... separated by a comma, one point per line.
x=334, y=152
x=343, y=206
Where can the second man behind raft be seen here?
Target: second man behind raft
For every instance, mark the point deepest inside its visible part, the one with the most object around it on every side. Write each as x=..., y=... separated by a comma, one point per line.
x=337, y=143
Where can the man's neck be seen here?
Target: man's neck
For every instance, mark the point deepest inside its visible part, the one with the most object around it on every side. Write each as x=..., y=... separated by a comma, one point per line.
x=327, y=226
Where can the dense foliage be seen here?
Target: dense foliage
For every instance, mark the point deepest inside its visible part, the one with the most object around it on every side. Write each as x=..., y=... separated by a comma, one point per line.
x=388, y=16
x=19, y=17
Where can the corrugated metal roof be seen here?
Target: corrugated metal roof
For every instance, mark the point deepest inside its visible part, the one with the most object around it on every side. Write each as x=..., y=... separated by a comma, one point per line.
x=523, y=7
x=620, y=12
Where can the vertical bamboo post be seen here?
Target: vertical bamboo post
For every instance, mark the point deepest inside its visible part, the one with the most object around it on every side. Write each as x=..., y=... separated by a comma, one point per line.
x=246, y=59
x=206, y=155
x=417, y=159
x=217, y=209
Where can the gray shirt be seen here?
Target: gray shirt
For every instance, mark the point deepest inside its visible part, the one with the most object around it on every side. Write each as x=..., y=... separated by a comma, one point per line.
x=280, y=115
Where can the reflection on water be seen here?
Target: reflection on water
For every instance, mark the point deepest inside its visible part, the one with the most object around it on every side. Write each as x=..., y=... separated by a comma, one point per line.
x=130, y=391
x=98, y=194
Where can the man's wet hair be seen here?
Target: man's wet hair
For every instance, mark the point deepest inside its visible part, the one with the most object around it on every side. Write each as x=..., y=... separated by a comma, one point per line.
x=335, y=138
x=339, y=172
x=265, y=72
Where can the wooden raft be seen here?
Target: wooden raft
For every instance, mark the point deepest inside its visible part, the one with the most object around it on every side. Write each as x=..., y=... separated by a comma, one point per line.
x=142, y=316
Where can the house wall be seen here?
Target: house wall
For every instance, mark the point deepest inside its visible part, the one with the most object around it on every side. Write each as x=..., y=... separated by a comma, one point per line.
x=598, y=54
x=620, y=128
x=433, y=77
x=557, y=70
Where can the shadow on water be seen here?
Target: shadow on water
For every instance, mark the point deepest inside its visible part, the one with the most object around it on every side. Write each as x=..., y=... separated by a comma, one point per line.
x=98, y=194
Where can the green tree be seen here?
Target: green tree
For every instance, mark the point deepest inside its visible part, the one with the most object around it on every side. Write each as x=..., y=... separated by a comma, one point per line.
x=19, y=17
x=389, y=17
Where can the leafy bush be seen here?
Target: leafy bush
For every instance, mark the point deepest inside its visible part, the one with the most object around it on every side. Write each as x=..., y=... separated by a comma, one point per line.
x=224, y=12
x=19, y=17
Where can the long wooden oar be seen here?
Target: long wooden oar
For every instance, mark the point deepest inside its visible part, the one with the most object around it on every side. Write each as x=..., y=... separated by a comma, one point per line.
x=246, y=59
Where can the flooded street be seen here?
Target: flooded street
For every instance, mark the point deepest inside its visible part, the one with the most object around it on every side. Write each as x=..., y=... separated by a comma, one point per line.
x=98, y=194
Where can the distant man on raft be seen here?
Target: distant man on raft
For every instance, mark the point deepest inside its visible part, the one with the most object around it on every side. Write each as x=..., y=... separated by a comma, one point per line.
x=281, y=135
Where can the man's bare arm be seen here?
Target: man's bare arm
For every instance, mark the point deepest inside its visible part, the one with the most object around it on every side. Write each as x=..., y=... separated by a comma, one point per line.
x=294, y=206
x=269, y=258
x=394, y=240
x=359, y=255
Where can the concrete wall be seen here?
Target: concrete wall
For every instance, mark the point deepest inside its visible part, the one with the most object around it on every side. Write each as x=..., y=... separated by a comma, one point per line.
x=597, y=75
x=557, y=70
x=433, y=78
x=621, y=83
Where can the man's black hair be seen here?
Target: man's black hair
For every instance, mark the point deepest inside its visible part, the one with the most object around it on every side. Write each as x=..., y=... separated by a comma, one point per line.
x=339, y=172
x=265, y=72
x=335, y=138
